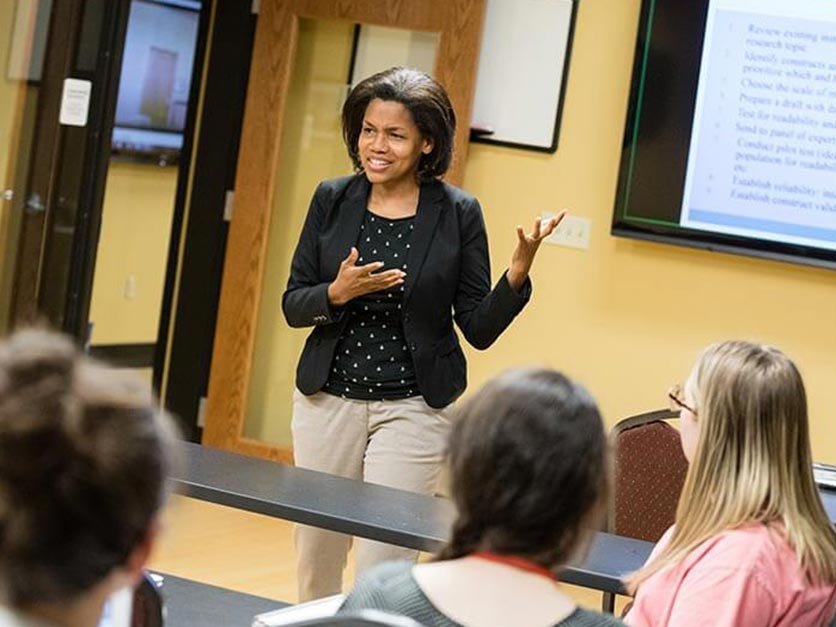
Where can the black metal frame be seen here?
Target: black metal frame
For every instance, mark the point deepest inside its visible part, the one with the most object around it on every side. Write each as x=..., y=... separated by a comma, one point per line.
x=189, y=344
x=97, y=151
x=623, y=226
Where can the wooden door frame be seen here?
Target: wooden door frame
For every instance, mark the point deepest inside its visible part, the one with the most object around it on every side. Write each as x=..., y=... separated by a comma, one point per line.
x=459, y=26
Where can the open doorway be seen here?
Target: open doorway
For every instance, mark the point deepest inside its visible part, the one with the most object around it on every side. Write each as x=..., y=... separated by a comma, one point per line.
x=147, y=177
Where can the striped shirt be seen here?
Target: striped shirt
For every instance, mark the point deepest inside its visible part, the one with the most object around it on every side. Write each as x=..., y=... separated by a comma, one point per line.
x=392, y=587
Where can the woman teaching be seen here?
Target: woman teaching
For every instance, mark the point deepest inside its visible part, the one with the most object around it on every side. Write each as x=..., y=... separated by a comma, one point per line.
x=387, y=259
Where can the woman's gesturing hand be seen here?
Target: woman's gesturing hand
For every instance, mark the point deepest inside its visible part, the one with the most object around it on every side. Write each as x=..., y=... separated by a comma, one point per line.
x=527, y=246
x=353, y=280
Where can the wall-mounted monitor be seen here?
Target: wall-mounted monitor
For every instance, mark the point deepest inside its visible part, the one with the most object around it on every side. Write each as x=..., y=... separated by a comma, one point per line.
x=155, y=81
x=731, y=132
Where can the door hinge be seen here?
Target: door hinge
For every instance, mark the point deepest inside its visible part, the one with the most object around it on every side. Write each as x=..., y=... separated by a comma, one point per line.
x=255, y=7
x=201, y=412
x=229, y=200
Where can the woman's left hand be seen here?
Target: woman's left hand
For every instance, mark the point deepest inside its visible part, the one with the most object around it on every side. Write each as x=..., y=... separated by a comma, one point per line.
x=527, y=245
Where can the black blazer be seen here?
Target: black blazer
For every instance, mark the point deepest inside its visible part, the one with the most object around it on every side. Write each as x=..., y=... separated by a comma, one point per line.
x=448, y=276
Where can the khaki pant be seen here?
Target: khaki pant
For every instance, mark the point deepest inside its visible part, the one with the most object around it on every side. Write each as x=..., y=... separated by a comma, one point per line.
x=399, y=444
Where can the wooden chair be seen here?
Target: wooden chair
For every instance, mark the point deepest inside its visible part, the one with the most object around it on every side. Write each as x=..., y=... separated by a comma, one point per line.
x=650, y=471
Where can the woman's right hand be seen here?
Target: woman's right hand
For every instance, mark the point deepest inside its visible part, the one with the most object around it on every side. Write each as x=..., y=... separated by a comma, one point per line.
x=353, y=280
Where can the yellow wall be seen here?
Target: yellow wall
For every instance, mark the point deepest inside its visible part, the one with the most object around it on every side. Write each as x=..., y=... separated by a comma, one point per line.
x=311, y=150
x=626, y=318
x=132, y=253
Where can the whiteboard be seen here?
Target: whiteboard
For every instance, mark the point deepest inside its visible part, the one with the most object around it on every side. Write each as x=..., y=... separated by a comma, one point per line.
x=522, y=70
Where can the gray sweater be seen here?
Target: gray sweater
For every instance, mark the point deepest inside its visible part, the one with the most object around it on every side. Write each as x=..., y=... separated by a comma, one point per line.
x=391, y=587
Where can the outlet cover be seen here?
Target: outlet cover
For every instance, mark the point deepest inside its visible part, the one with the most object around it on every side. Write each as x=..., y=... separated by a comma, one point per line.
x=129, y=289
x=573, y=231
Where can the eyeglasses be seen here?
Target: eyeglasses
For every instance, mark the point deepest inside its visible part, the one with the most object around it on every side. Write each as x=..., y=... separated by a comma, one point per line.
x=675, y=396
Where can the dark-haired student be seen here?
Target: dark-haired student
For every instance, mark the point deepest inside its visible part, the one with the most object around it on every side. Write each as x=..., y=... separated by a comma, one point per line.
x=387, y=259
x=84, y=455
x=528, y=465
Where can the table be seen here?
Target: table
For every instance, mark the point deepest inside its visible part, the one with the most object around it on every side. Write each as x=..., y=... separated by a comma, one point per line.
x=398, y=517
x=415, y=521
x=189, y=604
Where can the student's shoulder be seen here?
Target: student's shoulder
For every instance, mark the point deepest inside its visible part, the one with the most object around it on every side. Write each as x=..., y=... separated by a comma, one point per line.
x=749, y=544
x=588, y=618
x=390, y=580
x=389, y=573
x=758, y=553
x=388, y=586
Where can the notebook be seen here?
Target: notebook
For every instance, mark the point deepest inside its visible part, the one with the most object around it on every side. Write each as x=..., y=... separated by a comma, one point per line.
x=326, y=606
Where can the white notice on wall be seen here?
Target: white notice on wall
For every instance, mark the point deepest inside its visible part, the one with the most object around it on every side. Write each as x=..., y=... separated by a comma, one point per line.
x=75, y=102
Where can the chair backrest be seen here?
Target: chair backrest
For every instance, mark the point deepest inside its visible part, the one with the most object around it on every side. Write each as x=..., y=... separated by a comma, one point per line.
x=147, y=604
x=650, y=470
x=359, y=618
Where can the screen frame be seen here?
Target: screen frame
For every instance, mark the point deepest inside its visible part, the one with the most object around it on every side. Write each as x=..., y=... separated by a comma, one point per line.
x=153, y=153
x=623, y=226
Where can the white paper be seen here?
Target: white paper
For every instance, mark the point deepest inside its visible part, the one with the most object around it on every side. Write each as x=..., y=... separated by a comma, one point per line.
x=825, y=475
x=319, y=608
x=75, y=102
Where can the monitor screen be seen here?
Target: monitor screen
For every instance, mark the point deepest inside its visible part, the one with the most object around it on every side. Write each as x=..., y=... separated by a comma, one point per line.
x=155, y=82
x=731, y=133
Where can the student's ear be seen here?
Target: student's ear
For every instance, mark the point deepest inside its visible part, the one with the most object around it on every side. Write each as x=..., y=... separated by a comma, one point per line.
x=141, y=553
x=428, y=146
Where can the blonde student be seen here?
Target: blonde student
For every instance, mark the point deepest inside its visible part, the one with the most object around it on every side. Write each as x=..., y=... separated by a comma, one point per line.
x=752, y=545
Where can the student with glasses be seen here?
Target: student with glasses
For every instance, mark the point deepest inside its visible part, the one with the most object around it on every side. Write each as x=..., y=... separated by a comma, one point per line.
x=752, y=544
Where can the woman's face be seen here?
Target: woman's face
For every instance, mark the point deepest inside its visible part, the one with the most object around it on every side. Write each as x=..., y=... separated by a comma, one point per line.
x=390, y=144
x=689, y=428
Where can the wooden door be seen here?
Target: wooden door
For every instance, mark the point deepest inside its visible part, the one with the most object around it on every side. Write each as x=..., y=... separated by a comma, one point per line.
x=35, y=146
x=458, y=25
x=58, y=203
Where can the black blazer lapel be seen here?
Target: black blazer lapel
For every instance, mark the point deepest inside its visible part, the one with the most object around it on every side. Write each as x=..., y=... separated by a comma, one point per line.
x=348, y=217
x=426, y=219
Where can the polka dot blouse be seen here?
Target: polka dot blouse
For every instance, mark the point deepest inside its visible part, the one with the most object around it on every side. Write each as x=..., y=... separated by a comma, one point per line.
x=372, y=360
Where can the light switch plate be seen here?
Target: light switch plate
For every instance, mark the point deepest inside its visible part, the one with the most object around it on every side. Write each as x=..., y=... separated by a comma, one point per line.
x=573, y=231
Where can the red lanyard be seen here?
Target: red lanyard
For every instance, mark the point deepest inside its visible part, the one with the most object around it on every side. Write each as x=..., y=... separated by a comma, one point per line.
x=520, y=563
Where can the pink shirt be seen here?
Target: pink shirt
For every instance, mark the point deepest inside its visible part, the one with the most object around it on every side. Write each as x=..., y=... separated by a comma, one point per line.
x=747, y=577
